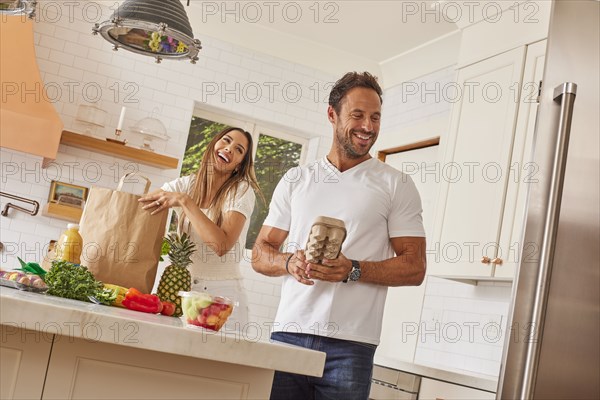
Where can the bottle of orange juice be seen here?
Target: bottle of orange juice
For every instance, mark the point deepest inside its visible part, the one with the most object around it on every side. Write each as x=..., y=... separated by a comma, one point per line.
x=70, y=245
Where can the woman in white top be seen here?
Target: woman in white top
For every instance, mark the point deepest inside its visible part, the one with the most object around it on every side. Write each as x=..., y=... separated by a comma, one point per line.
x=214, y=207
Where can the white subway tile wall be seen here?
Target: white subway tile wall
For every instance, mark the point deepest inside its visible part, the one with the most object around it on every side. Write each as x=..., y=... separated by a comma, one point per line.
x=463, y=326
x=414, y=103
x=79, y=68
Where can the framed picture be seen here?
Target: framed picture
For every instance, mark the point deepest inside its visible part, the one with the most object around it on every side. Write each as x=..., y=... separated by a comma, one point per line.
x=67, y=194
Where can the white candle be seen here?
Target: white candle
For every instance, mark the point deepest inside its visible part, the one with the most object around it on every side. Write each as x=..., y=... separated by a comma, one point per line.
x=121, y=119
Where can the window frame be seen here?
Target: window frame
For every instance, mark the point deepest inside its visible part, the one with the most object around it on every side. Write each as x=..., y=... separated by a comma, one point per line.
x=255, y=128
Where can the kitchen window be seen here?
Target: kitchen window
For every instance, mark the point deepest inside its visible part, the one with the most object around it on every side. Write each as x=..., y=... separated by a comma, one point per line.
x=275, y=151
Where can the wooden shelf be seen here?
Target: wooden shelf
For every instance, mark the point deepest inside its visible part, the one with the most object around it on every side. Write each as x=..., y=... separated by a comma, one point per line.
x=118, y=150
x=61, y=211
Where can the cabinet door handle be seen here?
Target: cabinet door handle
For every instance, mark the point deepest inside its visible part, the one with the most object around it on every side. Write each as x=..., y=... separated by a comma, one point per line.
x=497, y=261
x=486, y=260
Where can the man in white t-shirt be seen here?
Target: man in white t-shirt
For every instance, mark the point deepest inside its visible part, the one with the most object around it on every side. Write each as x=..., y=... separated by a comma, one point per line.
x=337, y=307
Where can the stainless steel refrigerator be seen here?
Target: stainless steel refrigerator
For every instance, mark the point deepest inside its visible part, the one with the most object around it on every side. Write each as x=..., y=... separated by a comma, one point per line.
x=552, y=351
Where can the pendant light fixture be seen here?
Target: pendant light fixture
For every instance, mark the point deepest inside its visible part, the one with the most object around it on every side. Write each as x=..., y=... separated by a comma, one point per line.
x=18, y=7
x=155, y=28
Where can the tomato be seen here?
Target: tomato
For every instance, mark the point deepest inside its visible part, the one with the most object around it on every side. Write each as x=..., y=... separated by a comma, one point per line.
x=168, y=308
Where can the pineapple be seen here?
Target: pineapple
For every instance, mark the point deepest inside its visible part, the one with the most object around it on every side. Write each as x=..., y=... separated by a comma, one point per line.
x=176, y=276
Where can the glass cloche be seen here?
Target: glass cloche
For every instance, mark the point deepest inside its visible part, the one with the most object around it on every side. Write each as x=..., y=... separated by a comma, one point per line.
x=151, y=129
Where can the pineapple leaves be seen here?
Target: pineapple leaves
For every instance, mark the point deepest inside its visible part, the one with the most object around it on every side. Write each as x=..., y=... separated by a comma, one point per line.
x=180, y=249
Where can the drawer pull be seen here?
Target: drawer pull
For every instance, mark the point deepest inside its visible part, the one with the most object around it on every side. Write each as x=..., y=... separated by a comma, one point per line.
x=484, y=260
x=497, y=261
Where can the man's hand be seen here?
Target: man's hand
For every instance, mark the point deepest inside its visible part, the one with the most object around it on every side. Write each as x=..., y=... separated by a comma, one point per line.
x=297, y=267
x=331, y=270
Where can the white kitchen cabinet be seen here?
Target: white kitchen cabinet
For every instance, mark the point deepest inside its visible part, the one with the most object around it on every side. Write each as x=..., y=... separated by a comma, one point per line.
x=435, y=390
x=522, y=171
x=83, y=369
x=479, y=216
x=23, y=359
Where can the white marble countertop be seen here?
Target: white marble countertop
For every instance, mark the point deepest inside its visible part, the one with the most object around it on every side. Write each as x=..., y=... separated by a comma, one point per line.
x=53, y=315
x=481, y=382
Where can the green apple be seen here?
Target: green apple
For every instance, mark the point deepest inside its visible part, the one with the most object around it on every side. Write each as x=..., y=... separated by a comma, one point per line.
x=191, y=312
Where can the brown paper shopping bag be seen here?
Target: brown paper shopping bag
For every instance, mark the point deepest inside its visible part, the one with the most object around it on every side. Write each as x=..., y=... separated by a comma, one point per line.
x=121, y=242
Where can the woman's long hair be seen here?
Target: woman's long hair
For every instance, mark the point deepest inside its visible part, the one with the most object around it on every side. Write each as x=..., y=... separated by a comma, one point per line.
x=203, y=183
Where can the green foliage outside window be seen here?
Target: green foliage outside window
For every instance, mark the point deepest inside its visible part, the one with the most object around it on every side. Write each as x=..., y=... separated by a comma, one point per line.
x=274, y=157
x=201, y=133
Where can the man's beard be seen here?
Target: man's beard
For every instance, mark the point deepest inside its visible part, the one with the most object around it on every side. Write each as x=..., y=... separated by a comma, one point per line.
x=349, y=149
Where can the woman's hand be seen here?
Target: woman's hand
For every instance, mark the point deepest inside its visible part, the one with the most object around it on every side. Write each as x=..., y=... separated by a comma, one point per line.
x=161, y=200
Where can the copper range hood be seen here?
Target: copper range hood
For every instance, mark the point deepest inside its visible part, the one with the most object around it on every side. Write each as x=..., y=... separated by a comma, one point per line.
x=28, y=120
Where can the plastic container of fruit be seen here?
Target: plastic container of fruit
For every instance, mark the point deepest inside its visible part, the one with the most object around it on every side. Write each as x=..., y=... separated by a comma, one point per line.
x=201, y=309
x=22, y=281
x=22, y=286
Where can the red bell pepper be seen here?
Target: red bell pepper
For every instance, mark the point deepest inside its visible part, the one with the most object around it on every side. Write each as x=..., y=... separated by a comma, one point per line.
x=138, y=301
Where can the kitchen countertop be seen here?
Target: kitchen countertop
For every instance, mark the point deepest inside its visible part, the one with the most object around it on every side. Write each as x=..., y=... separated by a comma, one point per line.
x=481, y=382
x=50, y=315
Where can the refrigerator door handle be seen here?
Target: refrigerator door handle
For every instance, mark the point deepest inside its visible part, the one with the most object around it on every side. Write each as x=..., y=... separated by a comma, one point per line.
x=565, y=95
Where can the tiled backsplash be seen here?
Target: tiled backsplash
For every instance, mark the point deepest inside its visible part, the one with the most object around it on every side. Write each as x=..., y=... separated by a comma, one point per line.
x=463, y=326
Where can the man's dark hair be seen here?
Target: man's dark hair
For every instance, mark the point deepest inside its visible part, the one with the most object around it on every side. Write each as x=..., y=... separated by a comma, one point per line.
x=350, y=81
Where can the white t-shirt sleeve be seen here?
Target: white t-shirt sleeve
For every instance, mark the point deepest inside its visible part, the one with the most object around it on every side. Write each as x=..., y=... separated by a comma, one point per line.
x=242, y=203
x=179, y=185
x=280, y=208
x=406, y=217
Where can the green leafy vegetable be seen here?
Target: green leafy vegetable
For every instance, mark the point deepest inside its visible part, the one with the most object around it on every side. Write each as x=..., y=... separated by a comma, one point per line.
x=31, y=268
x=164, y=249
x=72, y=281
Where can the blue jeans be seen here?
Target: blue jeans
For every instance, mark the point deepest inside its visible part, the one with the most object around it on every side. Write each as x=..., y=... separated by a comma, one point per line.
x=347, y=373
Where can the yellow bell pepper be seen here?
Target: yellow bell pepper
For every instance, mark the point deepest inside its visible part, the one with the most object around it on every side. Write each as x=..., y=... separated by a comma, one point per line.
x=120, y=291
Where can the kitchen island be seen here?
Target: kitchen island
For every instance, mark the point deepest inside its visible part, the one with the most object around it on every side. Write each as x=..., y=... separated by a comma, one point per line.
x=54, y=348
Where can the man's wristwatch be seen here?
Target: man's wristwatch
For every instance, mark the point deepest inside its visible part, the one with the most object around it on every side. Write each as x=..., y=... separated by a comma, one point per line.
x=354, y=274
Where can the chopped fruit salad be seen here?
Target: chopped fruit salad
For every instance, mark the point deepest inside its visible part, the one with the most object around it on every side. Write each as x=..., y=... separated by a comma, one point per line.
x=202, y=309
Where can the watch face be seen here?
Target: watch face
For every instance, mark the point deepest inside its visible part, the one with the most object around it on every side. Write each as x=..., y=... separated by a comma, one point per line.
x=355, y=272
